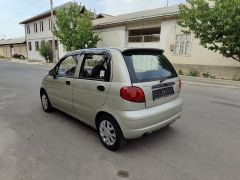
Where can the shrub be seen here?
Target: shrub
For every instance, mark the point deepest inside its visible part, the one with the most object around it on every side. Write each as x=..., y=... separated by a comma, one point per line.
x=180, y=72
x=236, y=78
x=194, y=72
x=206, y=75
x=18, y=56
x=45, y=51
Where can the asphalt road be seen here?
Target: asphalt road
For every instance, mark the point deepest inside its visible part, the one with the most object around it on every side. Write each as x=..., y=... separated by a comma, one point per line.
x=204, y=144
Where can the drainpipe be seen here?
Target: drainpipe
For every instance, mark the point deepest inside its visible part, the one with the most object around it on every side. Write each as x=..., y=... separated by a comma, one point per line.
x=53, y=38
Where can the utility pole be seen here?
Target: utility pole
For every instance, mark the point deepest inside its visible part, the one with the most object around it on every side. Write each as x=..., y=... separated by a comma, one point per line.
x=167, y=3
x=53, y=38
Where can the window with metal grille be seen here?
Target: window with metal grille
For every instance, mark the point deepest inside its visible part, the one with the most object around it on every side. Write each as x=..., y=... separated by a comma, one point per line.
x=182, y=44
x=144, y=35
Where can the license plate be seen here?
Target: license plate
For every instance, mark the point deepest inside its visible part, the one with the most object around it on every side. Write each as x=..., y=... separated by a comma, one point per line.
x=162, y=92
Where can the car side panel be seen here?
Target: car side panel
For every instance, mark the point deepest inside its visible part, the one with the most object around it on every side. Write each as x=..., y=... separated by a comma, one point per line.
x=87, y=99
x=59, y=92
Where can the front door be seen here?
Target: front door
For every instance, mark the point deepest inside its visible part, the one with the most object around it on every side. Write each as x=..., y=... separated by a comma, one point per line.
x=60, y=88
x=91, y=88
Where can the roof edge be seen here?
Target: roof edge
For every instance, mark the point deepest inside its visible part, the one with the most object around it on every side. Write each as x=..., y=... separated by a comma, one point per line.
x=162, y=12
x=48, y=13
x=133, y=20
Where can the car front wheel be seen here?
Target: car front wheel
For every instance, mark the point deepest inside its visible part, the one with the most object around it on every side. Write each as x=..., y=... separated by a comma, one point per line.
x=46, y=105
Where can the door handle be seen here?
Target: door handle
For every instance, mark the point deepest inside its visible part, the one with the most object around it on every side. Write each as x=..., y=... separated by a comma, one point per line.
x=68, y=83
x=100, y=87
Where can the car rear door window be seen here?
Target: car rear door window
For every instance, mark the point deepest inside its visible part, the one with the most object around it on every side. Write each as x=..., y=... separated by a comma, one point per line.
x=95, y=67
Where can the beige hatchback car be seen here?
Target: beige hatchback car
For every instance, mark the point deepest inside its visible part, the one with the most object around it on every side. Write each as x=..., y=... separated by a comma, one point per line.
x=123, y=94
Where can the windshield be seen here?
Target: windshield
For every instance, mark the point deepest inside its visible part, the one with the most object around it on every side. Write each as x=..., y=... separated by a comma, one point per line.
x=148, y=66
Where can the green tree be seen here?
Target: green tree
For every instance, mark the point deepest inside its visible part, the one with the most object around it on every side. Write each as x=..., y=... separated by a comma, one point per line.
x=45, y=51
x=74, y=29
x=215, y=22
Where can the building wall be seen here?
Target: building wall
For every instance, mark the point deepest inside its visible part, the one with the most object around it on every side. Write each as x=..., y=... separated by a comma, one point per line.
x=113, y=37
x=61, y=51
x=34, y=54
x=198, y=54
x=1, y=51
x=39, y=36
x=225, y=72
x=20, y=49
x=5, y=51
x=144, y=45
x=46, y=33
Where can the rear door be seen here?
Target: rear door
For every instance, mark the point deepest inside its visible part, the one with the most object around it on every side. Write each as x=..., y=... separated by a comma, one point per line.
x=150, y=70
x=90, y=89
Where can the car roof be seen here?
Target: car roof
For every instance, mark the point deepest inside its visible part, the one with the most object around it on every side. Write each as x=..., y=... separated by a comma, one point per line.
x=104, y=50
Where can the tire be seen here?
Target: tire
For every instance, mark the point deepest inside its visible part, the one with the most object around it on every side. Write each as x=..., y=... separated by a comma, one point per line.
x=46, y=104
x=110, y=133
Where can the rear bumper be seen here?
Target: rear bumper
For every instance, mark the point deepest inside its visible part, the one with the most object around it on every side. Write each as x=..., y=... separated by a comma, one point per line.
x=134, y=124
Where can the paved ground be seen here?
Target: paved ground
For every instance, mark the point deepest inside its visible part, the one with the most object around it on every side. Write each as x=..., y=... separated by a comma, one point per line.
x=203, y=144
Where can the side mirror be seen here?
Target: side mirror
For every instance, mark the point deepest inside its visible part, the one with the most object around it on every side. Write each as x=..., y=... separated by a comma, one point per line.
x=53, y=73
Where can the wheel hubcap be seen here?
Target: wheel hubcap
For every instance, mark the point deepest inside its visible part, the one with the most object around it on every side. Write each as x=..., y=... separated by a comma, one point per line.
x=44, y=101
x=107, y=132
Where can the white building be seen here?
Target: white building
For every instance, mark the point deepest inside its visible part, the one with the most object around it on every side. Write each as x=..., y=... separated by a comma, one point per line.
x=157, y=28
x=38, y=29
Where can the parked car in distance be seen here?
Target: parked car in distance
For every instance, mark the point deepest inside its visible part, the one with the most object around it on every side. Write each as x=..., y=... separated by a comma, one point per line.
x=124, y=94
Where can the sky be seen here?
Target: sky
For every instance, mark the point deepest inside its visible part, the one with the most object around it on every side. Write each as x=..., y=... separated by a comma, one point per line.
x=14, y=11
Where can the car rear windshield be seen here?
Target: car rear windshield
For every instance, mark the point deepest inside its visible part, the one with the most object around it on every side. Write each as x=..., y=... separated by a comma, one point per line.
x=145, y=66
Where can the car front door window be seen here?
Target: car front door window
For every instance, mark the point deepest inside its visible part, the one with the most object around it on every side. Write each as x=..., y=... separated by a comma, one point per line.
x=68, y=66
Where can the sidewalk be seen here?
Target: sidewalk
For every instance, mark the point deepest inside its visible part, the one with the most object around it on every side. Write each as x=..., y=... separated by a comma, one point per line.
x=26, y=61
x=211, y=81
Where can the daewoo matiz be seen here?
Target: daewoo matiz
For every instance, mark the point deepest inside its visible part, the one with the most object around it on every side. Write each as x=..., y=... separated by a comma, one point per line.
x=124, y=94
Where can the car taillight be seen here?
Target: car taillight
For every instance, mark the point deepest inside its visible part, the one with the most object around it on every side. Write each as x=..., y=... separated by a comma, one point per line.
x=179, y=84
x=133, y=94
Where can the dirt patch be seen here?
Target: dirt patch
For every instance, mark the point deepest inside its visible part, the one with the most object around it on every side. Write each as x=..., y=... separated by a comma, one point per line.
x=123, y=174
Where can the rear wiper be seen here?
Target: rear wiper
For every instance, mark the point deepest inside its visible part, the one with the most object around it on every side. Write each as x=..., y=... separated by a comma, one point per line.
x=168, y=77
x=163, y=79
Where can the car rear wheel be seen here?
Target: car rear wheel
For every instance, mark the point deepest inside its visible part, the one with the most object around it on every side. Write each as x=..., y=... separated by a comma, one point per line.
x=110, y=133
x=46, y=105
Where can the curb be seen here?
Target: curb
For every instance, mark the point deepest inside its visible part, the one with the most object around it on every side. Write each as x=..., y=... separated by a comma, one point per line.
x=212, y=85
